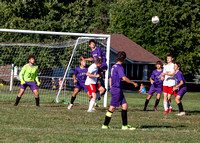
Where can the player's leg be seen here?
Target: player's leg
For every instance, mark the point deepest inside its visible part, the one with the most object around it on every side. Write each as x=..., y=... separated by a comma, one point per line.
x=125, y=125
x=147, y=102
x=178, y=101
x=76, y=90
x=92, y=102
x=108, y=117
x=37, y=99
x=169, y=102
x=157, y=101
x=165, y=101
x=21, y=92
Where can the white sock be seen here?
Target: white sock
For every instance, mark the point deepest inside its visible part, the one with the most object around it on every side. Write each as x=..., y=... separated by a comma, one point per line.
x=91, y=105
x=165, y=105
x=170, y=107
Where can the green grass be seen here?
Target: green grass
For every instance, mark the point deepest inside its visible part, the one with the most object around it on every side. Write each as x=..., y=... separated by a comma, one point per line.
x=54, y=123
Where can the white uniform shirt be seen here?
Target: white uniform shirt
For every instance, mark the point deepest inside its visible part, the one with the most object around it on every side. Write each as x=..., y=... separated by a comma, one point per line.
x=93, y=69
x=169, y=80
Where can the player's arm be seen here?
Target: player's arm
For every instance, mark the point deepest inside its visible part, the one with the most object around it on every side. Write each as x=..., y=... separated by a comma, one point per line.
x=91, y=75
x=74, y=78
x=36, y=78
x=87, y=59
x=176, y=87
x=110, y=82
x=151, y=80
x=21, y=75
x=129, y=81
x=171, y=74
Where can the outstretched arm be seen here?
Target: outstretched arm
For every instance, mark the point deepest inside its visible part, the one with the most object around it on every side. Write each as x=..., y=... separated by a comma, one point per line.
x=129, y=81
x=91, y=75
x=87, y=59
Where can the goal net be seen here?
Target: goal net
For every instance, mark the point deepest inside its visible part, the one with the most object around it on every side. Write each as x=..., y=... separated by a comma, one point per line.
x=57, y=55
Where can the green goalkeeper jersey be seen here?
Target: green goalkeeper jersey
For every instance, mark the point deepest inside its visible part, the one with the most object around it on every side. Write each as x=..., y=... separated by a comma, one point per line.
x=29, y=73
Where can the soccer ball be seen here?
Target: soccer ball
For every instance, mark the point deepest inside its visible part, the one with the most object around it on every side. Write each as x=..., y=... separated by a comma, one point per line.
x=155, y=19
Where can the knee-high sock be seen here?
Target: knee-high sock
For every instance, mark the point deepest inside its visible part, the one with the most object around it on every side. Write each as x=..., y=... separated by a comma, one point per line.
x=124, y=117
x=37, y=100
x=17, y=100
x=169, y=105
x=180, y=106
x=165, y=105
x=146, y=103
x=108, y=117
x=91, y=105
x=157, y=102
x=72, y=100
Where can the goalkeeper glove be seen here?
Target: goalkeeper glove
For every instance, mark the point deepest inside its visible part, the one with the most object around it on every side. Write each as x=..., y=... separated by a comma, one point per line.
x=22, y=82
x=38, y=83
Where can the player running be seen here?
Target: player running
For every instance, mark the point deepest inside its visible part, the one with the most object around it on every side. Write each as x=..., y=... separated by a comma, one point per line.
x=168, y=84
x=29, y=77
x=79, y=78
x=117, y=74
x=156, y=85
x=91, y=83
x=180, y=89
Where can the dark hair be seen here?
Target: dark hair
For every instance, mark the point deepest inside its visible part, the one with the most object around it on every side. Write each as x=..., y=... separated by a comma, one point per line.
x=170, y=55
x=99, y=61
x=178, y=64
x=159, y=63
x=121, y=56
x=92, y=40
x=31, y=56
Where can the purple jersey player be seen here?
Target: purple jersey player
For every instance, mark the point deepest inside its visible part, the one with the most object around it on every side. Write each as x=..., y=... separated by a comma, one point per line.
x=180, y=89
x=156, y=80
x=79, y=78
x=96, y=53
x=117, y=74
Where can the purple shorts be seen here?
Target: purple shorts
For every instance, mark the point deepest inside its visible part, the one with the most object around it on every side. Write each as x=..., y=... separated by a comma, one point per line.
x=182, y=91
x=31, y=84
x=155, y=88
x=117, y=97
x=80, y=86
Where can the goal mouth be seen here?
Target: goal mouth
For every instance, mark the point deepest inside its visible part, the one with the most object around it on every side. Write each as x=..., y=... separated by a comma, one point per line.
x=56, y=59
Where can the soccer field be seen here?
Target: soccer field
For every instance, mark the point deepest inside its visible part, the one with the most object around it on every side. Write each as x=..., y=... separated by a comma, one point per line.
x=54, y=123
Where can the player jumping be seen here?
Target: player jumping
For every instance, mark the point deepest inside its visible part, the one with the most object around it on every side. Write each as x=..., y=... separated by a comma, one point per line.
x=156, y=85
x=79, y=78
x=168, y=84
x=29, y=77
x=117, y=74
x=91, y=83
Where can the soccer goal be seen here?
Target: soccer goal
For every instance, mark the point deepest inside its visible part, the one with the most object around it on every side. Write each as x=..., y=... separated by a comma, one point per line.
x=57, y=55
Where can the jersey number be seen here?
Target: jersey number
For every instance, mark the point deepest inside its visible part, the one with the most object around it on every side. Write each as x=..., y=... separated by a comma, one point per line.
x=31, y=75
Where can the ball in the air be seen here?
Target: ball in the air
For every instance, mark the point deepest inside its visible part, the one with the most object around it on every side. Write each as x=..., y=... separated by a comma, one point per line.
x=155, y=19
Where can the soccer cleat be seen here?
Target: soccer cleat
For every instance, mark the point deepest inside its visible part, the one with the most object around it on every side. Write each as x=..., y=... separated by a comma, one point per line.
x=128, y=127
x=181, y=114
x=167, y=111
x=144, y=109
x=93, y=109
x=70, y=106
x=15, y=104
x=155, y=109
x=105, y=127
x=170, y=110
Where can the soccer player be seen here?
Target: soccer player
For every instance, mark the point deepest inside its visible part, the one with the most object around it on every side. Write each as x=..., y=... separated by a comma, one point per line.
x=180, y=89
x=79, y=78
x=116, y=75
x=96, y=52
x=29, y=77
x=91, y=83
x=156, y=85
x=168, y=84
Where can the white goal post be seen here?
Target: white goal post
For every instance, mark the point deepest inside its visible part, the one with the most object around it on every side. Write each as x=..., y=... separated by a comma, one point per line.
x=79, y=36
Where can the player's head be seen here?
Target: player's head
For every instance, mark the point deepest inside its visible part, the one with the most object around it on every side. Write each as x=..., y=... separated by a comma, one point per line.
x=159, y=64
x=98, y=62
x=31, y=59
x=177, y=66
x=92, y=43
x=169, y=58
x=121, y=56
x=83, y=63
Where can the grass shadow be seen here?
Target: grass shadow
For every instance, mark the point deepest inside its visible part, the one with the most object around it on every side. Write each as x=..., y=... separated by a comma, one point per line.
x=195, y=112
x=161, y=126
